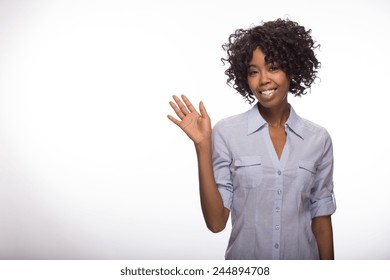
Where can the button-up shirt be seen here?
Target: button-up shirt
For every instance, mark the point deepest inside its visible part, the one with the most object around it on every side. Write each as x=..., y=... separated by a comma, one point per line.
x=272, y=201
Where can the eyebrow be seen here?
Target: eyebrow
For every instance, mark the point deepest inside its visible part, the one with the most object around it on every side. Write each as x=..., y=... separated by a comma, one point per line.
x=270, y=63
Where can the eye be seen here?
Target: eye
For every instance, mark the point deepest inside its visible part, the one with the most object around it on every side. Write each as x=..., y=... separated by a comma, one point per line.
x=274, y=67
x=252, y=73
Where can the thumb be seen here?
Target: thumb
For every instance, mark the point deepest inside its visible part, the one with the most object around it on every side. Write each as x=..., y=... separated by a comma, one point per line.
x=202, y=110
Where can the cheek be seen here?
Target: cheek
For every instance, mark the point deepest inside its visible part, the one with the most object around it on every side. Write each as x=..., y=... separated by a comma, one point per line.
x=283, y=82
x=252, y=85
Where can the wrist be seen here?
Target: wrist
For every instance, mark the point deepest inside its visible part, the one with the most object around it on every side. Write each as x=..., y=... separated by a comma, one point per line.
x=203, y=146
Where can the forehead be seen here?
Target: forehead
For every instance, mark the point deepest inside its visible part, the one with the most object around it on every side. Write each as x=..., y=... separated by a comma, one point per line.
x=258, y=57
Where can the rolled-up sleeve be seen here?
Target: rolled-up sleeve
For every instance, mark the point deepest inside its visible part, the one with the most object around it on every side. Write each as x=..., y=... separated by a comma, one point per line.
x=221, y=165
x=322, y=196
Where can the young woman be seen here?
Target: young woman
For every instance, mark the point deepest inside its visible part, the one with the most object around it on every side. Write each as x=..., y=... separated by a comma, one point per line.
x=268, y=168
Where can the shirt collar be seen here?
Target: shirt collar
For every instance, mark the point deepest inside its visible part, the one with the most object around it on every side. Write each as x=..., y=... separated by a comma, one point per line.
x=295, y=123
x=256, y=121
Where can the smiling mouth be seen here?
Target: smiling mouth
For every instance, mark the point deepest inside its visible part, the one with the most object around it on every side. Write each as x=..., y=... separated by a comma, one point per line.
x=268, y=92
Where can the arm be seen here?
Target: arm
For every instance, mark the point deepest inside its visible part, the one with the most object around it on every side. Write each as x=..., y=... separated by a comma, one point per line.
x=322, y=230
x=214, y=213
x=323, y=203
x=198, y=129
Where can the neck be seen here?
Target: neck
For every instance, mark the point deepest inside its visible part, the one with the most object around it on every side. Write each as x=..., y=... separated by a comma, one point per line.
x=275, y=117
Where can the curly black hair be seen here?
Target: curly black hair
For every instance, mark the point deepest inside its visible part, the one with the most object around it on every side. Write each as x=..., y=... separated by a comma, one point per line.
x=283, y=42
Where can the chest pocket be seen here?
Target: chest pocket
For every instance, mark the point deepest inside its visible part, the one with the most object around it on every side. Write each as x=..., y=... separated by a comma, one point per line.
x=249, y=171
x=306, y=175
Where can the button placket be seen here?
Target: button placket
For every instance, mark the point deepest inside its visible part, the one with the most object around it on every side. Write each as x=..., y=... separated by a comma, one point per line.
x=277, y=212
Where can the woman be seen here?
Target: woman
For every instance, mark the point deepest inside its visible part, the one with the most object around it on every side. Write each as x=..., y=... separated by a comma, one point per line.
x=268, y=168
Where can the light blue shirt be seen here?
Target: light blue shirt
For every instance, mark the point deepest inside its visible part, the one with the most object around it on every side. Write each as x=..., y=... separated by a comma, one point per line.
x=272, y=201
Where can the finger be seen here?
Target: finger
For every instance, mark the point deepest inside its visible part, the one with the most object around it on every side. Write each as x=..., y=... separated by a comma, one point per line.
x=188, y=103
x=177, y=110
x=182, y=107
x=202, y=110
x=175, y=121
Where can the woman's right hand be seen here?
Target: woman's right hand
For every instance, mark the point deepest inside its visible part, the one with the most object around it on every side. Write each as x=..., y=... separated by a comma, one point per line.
x=196, y=125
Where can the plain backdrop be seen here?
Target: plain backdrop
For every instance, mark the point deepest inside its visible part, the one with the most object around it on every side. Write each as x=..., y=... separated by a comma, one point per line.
x=91, y=168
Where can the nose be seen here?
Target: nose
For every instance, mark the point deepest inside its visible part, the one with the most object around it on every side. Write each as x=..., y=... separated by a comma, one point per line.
x=263, y=79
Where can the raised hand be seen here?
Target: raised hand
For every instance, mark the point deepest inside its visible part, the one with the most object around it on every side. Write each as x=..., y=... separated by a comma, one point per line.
x=196, y=125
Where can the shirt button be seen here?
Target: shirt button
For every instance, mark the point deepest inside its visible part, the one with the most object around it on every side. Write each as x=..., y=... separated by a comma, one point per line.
x=276, y=245
x=278, y=209
x=279, y=172
x=279, y=192
x=277, y=227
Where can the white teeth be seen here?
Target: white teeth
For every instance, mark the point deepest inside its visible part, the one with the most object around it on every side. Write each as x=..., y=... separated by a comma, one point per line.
x=267, y=92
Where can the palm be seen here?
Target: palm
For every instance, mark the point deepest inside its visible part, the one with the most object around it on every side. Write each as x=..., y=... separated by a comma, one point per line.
x=196, y=125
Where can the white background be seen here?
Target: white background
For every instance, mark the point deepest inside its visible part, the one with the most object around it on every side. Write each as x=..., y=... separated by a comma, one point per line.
x=91, y=168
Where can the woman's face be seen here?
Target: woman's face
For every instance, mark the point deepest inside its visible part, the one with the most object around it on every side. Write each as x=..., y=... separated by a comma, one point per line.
x=268, y=82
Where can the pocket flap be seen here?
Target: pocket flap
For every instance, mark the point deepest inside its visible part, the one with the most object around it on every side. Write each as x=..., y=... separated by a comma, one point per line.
x=308, y=165
x=248, y=161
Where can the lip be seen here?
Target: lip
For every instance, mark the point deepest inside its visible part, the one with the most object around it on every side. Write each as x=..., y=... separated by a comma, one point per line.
x=268, y=92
